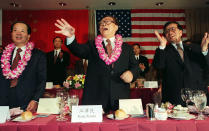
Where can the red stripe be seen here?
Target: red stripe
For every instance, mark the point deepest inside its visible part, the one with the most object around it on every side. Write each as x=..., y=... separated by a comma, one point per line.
x=157, y=11
x=151, y=52
x=150, y=26
x=149, y=35
x=145, y=43
x=157, y=18
x=150, y=61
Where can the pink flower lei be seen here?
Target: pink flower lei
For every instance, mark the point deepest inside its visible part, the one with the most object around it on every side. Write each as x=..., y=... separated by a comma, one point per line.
x=115, y=53
x=7, y=56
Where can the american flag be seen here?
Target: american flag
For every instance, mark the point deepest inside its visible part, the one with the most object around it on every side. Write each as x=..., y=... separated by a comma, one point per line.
x=138, y=25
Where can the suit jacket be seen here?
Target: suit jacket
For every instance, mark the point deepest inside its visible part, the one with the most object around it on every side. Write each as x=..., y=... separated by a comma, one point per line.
x=103, y=84
x=143, y=60
x=56, y=72
x=31, y=83
x=178, y=74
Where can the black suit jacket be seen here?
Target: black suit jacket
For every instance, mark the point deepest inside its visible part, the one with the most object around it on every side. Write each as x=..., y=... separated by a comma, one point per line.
x=103, y=84
x=178, y=74
x=56, y=72
x=31, y=83
x=143, y=60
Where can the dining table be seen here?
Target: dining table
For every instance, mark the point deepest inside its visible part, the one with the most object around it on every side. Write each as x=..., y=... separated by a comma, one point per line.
x=130, y=124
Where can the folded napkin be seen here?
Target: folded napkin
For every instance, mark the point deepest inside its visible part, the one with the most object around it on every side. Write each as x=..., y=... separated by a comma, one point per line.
x=15, y=111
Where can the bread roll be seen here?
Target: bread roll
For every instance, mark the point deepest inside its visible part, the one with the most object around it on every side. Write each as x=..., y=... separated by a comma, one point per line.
x=27, y=115
x=120, y=113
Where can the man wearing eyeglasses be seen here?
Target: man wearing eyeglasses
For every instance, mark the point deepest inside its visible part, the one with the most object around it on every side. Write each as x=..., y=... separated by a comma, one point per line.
x=111, y=64
x=184, y=66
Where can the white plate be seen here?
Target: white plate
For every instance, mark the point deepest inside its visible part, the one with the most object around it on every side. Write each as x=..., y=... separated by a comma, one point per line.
x=187, y=117
x=110, y=116
x=19, y=119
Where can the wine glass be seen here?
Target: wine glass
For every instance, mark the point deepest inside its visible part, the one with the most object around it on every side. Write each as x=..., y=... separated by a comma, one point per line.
x=73, y=100
x=63, y=102
x=186, y=95
x=200, y=100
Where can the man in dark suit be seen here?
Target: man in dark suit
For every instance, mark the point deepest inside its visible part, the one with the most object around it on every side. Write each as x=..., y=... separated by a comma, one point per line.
x=111, y=64
x=57, y=62
x=23, y=84
x=183, y=66
x=142, y=61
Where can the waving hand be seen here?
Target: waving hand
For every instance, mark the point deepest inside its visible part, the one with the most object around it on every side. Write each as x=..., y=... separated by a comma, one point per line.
x=65, y=28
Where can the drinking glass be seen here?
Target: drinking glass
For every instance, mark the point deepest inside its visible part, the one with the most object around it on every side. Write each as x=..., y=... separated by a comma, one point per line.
x=73, y=100
x=186, y=95
x=63, y=102
x=200, y=100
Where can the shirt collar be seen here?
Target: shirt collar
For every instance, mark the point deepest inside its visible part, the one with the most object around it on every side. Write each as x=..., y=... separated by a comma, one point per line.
x=23, y=48
x=112, y=39
x=180, y=43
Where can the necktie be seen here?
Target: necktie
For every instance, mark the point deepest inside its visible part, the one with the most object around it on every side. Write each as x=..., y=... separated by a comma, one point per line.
x=55, y=57
x=85, y=66
x=109, y=47
x=181, y=52
x=13, y=82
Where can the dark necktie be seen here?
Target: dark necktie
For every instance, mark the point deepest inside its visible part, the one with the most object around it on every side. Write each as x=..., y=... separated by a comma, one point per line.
x=55, y=57
x=109, y=47
x=181, y=52
x=85, y=66
x=13, y=82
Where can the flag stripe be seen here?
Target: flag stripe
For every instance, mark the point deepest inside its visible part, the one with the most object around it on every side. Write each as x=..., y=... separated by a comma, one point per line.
x=158, y=18
x=153, y=22
x=149, y=31
x=148, y=35
x=158, y=15
x=151, y=26
x=158, y=11
x=146, y=39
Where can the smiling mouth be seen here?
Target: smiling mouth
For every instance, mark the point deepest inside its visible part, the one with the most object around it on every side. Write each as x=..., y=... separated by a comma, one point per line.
x=18, y=37
x=105, y=29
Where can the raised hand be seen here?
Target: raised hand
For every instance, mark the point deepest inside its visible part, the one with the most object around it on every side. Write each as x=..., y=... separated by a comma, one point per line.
x=65, y=28
x=162, y=39
x=205, y=42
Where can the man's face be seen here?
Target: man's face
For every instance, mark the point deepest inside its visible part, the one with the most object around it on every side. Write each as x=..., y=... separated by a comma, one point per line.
x=136, y=50
x=107, y=27
x=20, y=34
x=173, y=34
x=57, y=43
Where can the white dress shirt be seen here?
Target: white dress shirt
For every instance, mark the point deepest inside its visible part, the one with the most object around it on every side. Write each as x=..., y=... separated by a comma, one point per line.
x=21, y=53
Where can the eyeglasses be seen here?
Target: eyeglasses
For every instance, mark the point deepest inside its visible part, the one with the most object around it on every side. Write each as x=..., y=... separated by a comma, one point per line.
x=173, y=29
x=105, y=22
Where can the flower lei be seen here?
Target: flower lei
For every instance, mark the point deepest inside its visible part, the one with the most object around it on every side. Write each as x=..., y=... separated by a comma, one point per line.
x=6, y=57
x=115, y=53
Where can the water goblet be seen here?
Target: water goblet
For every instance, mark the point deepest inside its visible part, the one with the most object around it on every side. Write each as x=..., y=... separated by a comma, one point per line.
x=186, y=95
x=63, y=102
x=200, y=100
x=73, y=100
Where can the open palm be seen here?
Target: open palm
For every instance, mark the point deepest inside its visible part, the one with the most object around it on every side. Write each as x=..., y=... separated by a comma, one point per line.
x=65, y=28
x=162, y=39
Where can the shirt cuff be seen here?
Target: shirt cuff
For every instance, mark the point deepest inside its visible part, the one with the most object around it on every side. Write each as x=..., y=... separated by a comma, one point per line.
x=70, y=40
x=162, y=47
x=205, y=52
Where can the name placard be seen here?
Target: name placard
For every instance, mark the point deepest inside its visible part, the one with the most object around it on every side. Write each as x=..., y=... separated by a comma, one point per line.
x=48, y=106
x=131, y=106
x=4, y=114
x=150, y=84
x=87, y=113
